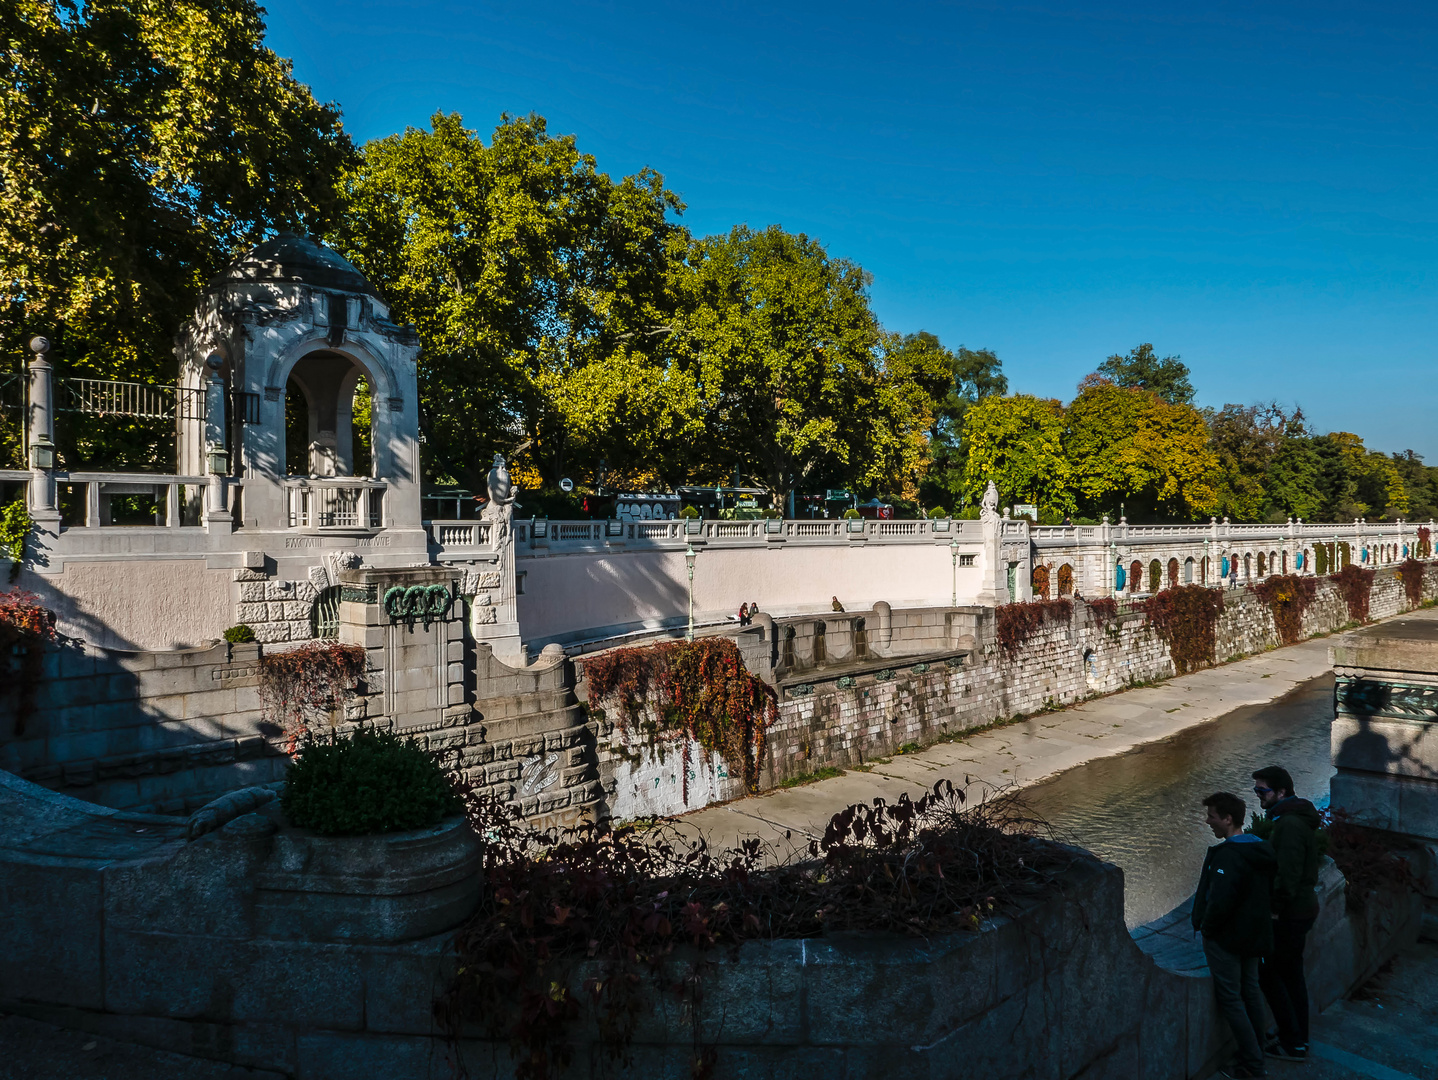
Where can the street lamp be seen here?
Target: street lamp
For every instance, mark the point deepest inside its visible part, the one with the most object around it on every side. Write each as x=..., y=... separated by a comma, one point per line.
x=954, y=551
x=689, y=556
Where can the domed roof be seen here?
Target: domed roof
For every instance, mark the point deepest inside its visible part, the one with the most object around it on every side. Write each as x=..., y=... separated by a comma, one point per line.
x=289, y=257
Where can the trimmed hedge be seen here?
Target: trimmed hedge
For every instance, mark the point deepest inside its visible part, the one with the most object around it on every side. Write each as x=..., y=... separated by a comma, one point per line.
x=370, y=782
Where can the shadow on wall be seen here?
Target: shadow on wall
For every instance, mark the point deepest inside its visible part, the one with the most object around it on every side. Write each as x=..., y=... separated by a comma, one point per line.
x=160, y=732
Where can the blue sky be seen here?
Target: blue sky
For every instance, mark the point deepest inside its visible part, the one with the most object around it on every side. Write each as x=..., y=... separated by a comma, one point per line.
x=1250, y=186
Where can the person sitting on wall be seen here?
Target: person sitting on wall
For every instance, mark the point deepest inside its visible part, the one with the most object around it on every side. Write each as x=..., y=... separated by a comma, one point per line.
x=1232, y=911
x=1295, y=907
x=836, y=605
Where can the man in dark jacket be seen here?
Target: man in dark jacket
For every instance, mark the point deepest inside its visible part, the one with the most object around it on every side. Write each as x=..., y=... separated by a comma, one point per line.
x=1232, y=909
x=1295, y=907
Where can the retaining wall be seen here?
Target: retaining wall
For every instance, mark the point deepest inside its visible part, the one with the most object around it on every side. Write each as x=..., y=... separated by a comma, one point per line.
x=262, y=946
x=924, y=675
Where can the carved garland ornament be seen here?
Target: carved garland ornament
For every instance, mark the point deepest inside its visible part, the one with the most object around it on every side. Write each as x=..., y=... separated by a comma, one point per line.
x=417, y=601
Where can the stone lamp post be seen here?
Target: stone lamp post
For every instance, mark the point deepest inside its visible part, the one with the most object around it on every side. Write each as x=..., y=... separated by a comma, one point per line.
x=954, y=552
x=689, y=556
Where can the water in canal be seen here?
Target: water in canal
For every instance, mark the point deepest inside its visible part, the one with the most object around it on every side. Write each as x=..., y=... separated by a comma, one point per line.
x=1142, y=810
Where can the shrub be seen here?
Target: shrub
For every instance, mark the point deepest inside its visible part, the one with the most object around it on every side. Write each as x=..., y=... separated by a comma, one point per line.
x=851, y=513
x=1186, y=616
x=15, y=526
x=1411, y=571
x=239, y=634
x=1355, y=583
x=937, y=512
x=689, y=512
x=370, y=782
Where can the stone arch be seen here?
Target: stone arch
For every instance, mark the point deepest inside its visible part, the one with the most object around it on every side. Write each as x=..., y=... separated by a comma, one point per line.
x=1066, y=580
x=1090, y=669
x=1248, y=566
x=1039, y=578
x=1135, y=576
x=1262, y=564
x=1307, y=560
x=1188, y=570
x=1155, y=575
x=310, y=352
x=1273, y=562
x=1285, y=560
x=1203, y=571
x=1172, y=573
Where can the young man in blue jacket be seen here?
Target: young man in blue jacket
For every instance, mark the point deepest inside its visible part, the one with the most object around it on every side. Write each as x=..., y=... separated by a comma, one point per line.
x=1295, y=908
x=1233, y=912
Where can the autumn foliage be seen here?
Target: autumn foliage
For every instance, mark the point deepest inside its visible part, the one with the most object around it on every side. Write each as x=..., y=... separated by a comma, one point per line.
x=1186, y=617
x=302, y=685
x=698, y=690
x=1356, y=585
x=1014, y=624
x=1287, y=597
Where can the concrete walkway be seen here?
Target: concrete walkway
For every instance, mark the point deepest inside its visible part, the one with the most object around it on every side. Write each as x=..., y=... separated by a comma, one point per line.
x=1028, y=751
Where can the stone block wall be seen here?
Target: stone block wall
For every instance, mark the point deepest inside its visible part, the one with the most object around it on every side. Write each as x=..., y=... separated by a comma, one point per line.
x=923, y=675
x=276, y=609
x=163, y=732
x=222, y=948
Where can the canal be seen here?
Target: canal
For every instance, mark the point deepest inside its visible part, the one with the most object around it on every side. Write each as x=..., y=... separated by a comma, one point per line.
x=1143, y=809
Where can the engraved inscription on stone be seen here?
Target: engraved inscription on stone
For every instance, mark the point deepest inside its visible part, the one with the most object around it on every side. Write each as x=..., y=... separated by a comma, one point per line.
x=539, y=772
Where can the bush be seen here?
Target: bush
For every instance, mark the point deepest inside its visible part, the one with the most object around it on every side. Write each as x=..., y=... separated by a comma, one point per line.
x=239, y=635
x=689, y=512
x=937, y=512
x=371, y=782
x=852, y=513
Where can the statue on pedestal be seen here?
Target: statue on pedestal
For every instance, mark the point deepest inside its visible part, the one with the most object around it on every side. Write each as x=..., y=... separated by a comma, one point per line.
x=989, y=505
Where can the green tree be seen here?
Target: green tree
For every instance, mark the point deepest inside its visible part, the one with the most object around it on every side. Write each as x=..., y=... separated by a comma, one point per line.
x=972, y=374
x=521, y=265
x=1420, y=484
x=145, y=141
x=792, y=368
x=1291, y=481
x=1018, y=443
x=1247, y=441
x=1141, y=368
x=1130, y=445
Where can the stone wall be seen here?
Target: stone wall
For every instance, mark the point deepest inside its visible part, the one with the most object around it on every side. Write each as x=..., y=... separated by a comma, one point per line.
x=163, y=732
x=264, y=946
x=923, y=675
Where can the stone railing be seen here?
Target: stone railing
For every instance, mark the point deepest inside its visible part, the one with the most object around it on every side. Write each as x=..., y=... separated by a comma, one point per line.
x=87, y=498
x=452, y=539
x=346, y=502
x=580, y=535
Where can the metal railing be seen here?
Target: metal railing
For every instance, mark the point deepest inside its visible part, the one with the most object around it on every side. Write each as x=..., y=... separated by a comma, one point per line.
x=110, y=397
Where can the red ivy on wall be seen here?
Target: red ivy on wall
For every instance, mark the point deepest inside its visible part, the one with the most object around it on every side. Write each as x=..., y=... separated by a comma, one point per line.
x=305, y=684
x=1014, y=624
x=25, y=627
x=1288, y=597
x=1186, y=617
x=1356, y=585
x=1411, y=571
x=702, y=691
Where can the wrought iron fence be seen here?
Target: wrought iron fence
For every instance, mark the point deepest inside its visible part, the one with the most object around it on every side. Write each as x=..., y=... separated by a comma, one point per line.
x=110, y=397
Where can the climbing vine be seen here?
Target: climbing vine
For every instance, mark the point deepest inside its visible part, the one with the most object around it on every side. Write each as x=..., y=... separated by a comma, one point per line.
x=1186, y=617
x=583, y=924
x=15, y=526
x=1105, y=609
x=1287, y=597
x=308, y=683
x=1425, y=542
x=1014, y=624
x=702, y=692
x=1356, y=585
x=1411, y=572
x=25, y=628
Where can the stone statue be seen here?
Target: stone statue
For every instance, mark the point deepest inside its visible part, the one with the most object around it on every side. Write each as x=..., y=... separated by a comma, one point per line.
x=501, y=491
x=989, y=505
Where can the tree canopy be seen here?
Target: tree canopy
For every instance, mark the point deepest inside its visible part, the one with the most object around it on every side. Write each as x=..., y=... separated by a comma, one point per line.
x=1142, y=369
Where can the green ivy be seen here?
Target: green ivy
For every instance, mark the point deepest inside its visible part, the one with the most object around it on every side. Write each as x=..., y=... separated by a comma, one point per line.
x=15, y=526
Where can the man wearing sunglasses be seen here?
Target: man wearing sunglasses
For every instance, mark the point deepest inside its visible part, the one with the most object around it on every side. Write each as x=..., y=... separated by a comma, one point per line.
x=1295, y=907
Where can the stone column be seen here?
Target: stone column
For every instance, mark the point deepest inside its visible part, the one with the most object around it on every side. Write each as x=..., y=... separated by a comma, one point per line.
x=41, y=438
x=1385, y=738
